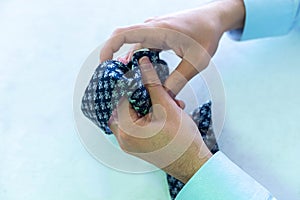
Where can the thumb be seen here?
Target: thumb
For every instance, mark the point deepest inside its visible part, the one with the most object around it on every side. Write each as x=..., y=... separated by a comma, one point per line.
x=151, y=81
x=180, y=76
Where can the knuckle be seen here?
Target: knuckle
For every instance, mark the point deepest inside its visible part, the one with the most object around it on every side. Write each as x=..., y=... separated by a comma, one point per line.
x=158, y=22
x=163, y=24
x=124, y=137
x=148, y=20
x=123, y=147
x=118, y=31
x=151, y=19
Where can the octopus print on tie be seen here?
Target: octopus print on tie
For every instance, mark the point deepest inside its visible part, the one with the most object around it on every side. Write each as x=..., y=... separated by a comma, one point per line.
x=113, y=80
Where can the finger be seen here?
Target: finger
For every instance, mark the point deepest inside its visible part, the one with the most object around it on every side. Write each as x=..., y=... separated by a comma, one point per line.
x=123, y=60
x=179, y=77
x=130, y=124
x=132, y=50
x=152, y=82
x=150, y=19
x=143, y=33
x=131, y=115
x=184, y=72
x=113, y=122
x=128, y=56
x=180, y=103
x=149, y=36
x=195, y=59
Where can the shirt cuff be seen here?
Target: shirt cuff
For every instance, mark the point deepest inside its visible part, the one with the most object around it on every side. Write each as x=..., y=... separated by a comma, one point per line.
x=267, y=18
x=220, y=179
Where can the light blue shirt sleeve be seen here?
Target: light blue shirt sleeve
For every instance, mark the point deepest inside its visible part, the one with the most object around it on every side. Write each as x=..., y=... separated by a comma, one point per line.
x=220, y=179
x=267, y=18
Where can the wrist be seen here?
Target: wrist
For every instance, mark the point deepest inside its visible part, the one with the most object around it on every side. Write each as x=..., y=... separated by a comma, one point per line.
x=190, y=162
x=231, y=14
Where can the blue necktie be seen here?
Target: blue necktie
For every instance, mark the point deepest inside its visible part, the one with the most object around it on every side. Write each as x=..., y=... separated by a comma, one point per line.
x=112, y=80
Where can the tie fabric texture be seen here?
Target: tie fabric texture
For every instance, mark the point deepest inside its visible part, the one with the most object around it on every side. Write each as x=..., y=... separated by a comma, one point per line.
x=113, y=79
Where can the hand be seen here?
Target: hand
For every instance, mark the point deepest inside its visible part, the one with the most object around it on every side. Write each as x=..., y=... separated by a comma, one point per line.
x=166, y=137
x=193, y=35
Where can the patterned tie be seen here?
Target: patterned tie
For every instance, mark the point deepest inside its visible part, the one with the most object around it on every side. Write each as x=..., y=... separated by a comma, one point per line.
x=112, y=80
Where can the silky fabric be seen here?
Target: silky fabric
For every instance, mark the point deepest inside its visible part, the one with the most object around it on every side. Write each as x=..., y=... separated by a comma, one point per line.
x=113, y=79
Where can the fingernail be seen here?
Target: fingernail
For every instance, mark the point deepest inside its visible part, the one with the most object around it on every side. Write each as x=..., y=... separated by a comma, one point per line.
x=123, y=60
x=144, y=60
